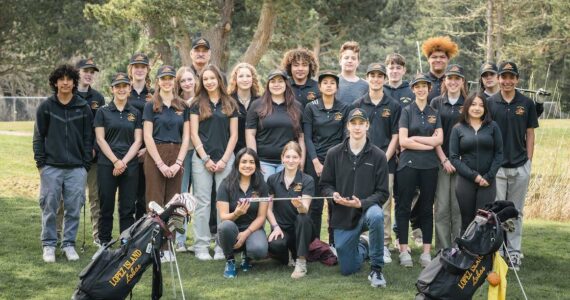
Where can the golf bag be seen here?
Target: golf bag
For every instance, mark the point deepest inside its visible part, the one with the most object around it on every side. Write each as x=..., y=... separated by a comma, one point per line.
x=457, y=273
x=113, y=274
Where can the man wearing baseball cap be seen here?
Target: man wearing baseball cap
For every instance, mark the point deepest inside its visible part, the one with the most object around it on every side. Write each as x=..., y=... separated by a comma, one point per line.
x=517, y=118
x=355, y=175
x=200, y=54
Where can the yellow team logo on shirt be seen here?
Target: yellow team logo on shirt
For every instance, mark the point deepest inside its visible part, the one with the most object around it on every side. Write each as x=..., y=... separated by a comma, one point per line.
x=338, y=116
x=519, y=111
x=461, y=109
x=432, y=119
x=94, y=105
x=131, y=117
x=179, y=112
x=298, y=187
x=148, y=97
x=311, y=96
x=386, y=113
x=405, y=100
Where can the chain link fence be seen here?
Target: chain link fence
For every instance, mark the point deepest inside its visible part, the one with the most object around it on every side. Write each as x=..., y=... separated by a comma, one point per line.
x=19, y=108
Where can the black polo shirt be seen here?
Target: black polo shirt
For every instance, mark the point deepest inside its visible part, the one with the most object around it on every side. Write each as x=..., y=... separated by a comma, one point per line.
x=94, y=99
x=419, y=123
x=435, y=85
x=383, y=119
x=119, y=129
x=242, y=114
x=168, y=124
x=214, y=131
x=403, y=93
x=274, y=131
x=225, y=195
x=514, y=119
x=284, y=211
x=323, y=128
x=449, y=115
x=139, y=100
x=306, y=93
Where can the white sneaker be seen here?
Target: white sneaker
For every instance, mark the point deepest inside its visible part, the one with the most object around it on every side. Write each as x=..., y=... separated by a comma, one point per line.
x=333, y=249
x=181, y=247
x=203, y=255
x=191, y=248
x=49, y=254
x=70, y=253
x=300, y=269
x=167, y=256
x=425, y=259
x=387, y=257
x=218, y=253
x=406, y=259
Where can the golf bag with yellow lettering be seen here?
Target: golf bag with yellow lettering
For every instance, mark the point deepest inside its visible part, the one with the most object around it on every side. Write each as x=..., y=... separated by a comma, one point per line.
x=113, y=273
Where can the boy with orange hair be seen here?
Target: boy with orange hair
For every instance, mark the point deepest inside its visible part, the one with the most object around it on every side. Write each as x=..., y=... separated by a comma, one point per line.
x=438, y=51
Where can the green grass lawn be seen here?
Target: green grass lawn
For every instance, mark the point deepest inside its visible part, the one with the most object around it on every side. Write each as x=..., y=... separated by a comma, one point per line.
x=24, y=275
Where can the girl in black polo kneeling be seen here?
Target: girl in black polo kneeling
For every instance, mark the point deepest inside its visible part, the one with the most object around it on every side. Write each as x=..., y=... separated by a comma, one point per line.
x=291, y=225
x=242, y=223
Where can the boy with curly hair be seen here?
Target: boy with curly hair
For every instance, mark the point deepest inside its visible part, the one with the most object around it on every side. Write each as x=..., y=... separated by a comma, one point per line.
x=301, y=65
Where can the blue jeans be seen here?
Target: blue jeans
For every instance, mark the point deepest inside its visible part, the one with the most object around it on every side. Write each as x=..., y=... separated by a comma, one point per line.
x=57, y=184
x=186, y=183
x=269, y=169
x=351, y=252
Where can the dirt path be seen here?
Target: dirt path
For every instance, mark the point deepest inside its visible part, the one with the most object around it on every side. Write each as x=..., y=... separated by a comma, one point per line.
x=15, y=133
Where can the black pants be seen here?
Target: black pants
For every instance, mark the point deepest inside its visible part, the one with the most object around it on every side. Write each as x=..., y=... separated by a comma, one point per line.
x=408, y=179
x=472, y=197
x=296, y=239
x=140, y=208
x=108, y=184
x=316, y=209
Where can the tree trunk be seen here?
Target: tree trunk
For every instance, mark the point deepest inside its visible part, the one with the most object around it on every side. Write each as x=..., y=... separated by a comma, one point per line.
x=159, y=43
x=183, y=43
x=219, y=34
x=499, y=30
x=263, y=33
x=490, y=51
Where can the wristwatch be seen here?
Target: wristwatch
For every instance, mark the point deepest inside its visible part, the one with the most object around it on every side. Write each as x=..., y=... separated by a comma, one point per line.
x=206, y=158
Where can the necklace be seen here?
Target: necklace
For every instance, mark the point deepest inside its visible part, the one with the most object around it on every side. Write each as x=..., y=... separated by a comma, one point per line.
x=245, y=102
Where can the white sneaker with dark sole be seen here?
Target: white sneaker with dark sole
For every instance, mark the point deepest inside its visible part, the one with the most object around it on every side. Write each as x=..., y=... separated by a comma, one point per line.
x=49, y=254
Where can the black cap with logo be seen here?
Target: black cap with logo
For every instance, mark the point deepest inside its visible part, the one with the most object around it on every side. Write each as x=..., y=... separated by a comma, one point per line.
x=200, y=42
x=276, y=73
x=488, y=67
x=456, y=70
x=139, y=58
x=328, y=73
x=420, y=77
x=87, y=63
x=508, y=67
x=120, y=77
x=376, y=67
x=166, y=71
x=357, y=113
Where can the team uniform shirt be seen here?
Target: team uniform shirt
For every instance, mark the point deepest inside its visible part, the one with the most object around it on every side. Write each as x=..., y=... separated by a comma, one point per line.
x=514, y=119
x=449, y=114
x=168, y=124
x=403, y=93
x=137, y=100
x=119, y=129
x=435, y=85
x=349, y=91
x=95, y=101
x=478, y=152
x=364, y=175
x=383, y=120
x=419, y=123
x=284, y=211
x=242, y=114
x=274, y=131
x=214, y=131
x=306, y=93
x=225, y=195
x=323, y=128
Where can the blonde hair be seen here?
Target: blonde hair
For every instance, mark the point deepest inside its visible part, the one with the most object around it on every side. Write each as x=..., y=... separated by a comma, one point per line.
x=292, y=145
x=179, y=73
x=350, y=45
x=146, y=79
x=232, y=86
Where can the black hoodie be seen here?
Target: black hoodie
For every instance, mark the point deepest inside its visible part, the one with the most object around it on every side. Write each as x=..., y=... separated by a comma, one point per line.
x=63, y=134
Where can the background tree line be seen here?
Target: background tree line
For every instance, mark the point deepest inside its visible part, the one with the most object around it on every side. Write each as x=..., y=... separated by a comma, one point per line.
x=36, y=35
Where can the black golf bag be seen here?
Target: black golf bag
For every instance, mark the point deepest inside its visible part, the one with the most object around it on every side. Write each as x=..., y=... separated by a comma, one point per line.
x=114, y=272
x=457, y=273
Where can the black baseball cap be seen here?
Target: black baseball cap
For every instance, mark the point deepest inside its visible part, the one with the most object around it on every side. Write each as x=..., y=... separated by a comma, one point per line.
x=488, y=67
x=376, y=67
x=508, y=67
x=420, y=78
x=200, y=42
x=166, y=71
x=120, y=77
x=87, y=63
x=139, y=58
x=276, y=73
x=455, y=69
x=328, y=73
x=357, y=113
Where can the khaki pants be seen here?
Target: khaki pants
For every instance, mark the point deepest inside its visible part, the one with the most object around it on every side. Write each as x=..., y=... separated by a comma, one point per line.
x=447, y=215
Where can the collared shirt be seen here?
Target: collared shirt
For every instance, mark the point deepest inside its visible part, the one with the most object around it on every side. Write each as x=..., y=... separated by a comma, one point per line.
x=119, y=129
x=168, y=124
x=435, y=85
x=214, y=131
x=383, y=119
x=323, y=128
x=403, y=93
x=306, y=93
x=274, y=131
x=514, y=119
x=419, y=123
x=242, y=114
x=284, y=211
x=225, y=195
x=349, y=91
x=449, y=114
x=94, y=99
x=139, y=100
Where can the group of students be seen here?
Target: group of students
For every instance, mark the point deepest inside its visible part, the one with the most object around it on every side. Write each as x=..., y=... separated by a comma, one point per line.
x=362, y=144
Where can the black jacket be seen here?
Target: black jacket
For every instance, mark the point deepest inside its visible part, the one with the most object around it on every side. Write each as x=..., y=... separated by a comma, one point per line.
x=365, y=177
x=63, y=134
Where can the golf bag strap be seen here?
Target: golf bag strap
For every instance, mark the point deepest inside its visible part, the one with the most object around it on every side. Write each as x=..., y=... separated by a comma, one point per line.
x=156, y=275
x=167, y=233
